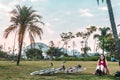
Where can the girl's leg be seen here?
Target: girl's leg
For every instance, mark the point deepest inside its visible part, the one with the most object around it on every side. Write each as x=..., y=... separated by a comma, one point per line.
x=98, y=67
x=102, y=68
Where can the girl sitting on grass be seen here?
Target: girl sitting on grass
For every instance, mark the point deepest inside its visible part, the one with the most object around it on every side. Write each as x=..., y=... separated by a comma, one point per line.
x=102, y=68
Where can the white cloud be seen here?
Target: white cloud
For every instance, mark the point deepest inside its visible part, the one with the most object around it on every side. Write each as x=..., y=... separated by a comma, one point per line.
x=13, y=3
x=5, y=8
x=85, y=12
x=48, y=28
x=56, y=19
x=37, y=0
x=118, y=4
x=34, y=0
x=104, y=8
x=68, y=13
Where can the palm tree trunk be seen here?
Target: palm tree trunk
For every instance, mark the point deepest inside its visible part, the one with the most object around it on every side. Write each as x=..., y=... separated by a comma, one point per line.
x=113, y=25
x=20, y=48
x=19, y=54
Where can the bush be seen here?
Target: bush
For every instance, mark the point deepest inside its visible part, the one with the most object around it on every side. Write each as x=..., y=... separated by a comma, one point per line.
x=108, y=58
x=69, y=59
x=92, y=58
x=3, y=54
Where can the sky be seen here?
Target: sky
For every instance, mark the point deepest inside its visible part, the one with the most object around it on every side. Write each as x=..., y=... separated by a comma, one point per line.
x=61, y=16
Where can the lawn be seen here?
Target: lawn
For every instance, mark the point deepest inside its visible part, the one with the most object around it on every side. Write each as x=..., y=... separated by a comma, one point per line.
x=9, y=71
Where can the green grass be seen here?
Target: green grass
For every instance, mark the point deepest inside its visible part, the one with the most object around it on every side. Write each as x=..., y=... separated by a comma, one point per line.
x=9, y=71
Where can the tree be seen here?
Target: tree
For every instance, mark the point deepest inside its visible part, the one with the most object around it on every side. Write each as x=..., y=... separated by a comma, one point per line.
x=54, y=51
x=102, y=37
x=66, y=37
x=3, y=54
x=110, y=45
x=34, y=54
x=113, y=25
x=85, y=36
x=24, y=19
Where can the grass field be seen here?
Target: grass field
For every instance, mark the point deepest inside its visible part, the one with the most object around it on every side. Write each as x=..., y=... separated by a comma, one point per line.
x=9, y=71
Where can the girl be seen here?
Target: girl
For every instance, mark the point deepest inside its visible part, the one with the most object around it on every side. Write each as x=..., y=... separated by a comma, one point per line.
x=102, y=66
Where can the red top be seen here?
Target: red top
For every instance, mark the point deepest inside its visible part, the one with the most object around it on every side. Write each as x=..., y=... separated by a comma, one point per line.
x=102, y=63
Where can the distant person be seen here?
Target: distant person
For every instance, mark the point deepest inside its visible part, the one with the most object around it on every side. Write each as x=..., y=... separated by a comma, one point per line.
x=102, y=67
x=113, y=59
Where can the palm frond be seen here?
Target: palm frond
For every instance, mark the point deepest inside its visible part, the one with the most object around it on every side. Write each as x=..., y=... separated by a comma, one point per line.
x=79, y=34
x=98, y=1
x=31, y=38
x=96, y=36
x=9, y=30
x=14, y=11
x=102, y=1
x=36, y=31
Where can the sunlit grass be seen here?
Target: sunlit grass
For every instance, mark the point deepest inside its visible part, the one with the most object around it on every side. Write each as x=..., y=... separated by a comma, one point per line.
x=9, y=71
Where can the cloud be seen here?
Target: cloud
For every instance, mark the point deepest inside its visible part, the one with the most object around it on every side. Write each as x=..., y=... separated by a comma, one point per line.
x=5, y=8
x=13, y=3
x=56, y=19
x=34, y=0
x=38, y=0
x=104, y=8
x=118, y=4
x=85, y=13
x=48, y=28
x=68, y=13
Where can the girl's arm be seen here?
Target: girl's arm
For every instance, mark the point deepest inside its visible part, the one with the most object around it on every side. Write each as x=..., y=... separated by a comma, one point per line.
x=107, y=67
x=106, y=63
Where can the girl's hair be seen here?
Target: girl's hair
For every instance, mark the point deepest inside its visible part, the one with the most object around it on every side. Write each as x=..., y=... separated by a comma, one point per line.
x=103, y=56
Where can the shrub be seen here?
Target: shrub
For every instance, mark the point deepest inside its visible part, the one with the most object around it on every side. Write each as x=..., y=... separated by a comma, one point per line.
x=92, y=58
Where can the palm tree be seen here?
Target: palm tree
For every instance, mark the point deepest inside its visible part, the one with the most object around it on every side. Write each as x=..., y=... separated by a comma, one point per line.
x=113, y=25
x=24, y=19
x=102, y=37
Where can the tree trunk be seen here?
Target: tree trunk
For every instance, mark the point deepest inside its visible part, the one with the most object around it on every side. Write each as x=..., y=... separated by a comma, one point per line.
x=21, y=35
x=19, y=53
x=103, y=45
x=66, y=47
x=86, y=48
x=113, y=26
x=73, y=50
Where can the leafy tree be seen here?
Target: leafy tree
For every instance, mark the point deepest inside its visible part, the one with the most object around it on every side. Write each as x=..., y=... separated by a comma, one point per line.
x=102, y=37
x=3, y=54
x=113, y=25
x=66, y=37
x=24, y=19
x=110, y=45
x=54, y=51
x=85, y=36
x=34, y=54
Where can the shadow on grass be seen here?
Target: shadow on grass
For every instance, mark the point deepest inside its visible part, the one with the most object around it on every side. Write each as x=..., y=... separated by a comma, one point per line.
x=3, y=67
x=79, y=76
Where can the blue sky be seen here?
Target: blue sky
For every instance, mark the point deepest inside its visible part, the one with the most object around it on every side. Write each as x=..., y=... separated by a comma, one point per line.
x=61, y=16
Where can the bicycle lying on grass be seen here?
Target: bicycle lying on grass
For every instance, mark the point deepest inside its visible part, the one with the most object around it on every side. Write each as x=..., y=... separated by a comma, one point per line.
x=63, y=69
